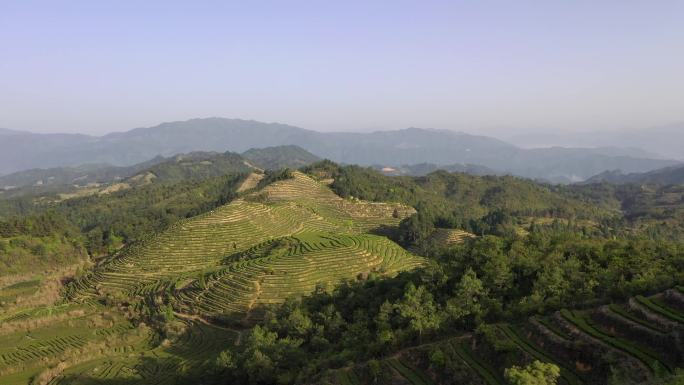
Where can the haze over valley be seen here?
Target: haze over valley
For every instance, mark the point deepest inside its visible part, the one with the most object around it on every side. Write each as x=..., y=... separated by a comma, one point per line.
x=392, y=148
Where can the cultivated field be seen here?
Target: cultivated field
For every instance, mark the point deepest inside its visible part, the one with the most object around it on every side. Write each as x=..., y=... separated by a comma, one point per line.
x=641, y=338
x=209, y=275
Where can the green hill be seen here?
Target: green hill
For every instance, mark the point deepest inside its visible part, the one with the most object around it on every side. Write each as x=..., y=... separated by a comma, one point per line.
x=666, y=176
x=294, y=277
x=22, y=151
x=272, y=158
x=639, y=339
x=104, y=178
x=290, y=238
x=218, y=247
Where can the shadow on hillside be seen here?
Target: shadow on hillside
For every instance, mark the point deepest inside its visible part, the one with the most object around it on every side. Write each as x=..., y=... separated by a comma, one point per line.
x=391, y=232
x=190, y=357
x=169, y=369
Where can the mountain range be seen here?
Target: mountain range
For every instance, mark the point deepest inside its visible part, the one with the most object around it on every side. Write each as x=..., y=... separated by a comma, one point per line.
x=661, y=141
x=666, y=176
x=179, y=167
x=23, y=150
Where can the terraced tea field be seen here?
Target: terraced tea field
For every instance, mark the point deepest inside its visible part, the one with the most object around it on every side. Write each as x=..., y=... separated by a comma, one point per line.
x=448, y=237
x=212, y=275
x=291, y=266
x=641, y=339
x=90, y=344
x=25, y=288
x=290, y=238
x=281, y=241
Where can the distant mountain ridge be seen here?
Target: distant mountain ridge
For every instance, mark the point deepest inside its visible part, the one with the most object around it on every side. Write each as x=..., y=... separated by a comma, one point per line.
x=7, y=131
x=666, y=176
x=79, y=175
x=391, y=148
x=271, y=158
x=662, y=141
x=196, y=164
x=422, y=169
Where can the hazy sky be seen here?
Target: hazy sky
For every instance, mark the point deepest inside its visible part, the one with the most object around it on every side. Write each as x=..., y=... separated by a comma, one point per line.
x=99, y=66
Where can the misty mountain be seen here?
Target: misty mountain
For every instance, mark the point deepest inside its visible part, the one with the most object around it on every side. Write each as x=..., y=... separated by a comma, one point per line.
x=655, y=142
x=271, y=158
x=7, y=131
x=160, y=169
x=78, y=176
x=422, y=169
x=666, y=176
x=390, y=148
x=24, y=150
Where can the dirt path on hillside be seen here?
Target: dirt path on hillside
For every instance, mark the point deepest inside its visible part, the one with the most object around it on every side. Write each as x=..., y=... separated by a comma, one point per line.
x=250, y=182
x=205, y=322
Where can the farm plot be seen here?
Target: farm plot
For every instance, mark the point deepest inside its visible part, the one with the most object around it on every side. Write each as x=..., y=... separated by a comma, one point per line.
x=287, y=239
x=447, y=237
x=10, y=293
x=183, y=358
x=292, y=266
x=30, y=347
x=589, y=346
x=651, y=361
x=284, y=208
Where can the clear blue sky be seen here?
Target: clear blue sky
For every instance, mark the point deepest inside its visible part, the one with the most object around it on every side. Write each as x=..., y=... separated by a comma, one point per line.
x=99, y=66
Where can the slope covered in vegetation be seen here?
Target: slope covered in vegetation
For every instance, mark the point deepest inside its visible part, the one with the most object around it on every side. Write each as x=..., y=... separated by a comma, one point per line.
x=299, y=278
x=290, y=238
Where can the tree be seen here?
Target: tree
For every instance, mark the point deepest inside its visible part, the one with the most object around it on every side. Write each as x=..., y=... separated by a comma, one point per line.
x=420, y=309
x=375, y=370
x=168, y=313
x=226, y=360
x=298, y=324
x=383, y=322
x=468, y=297
x=536, y=373
x=416, y=228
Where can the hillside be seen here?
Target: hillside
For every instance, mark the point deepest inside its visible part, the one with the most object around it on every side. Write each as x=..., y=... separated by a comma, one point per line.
x=80, y=176
x=640, y=336
x=422, y=169
x=663, y=140
x=291, y=238
x=273, y=158
x=283, y=209
x=65, y=183
x=386, y=148
x=91, y=179
x=297, y=279
x=463, y=201
x=666, y=176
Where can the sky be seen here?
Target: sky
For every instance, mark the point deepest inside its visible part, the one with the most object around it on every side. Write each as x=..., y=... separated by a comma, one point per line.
x=478, y=66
